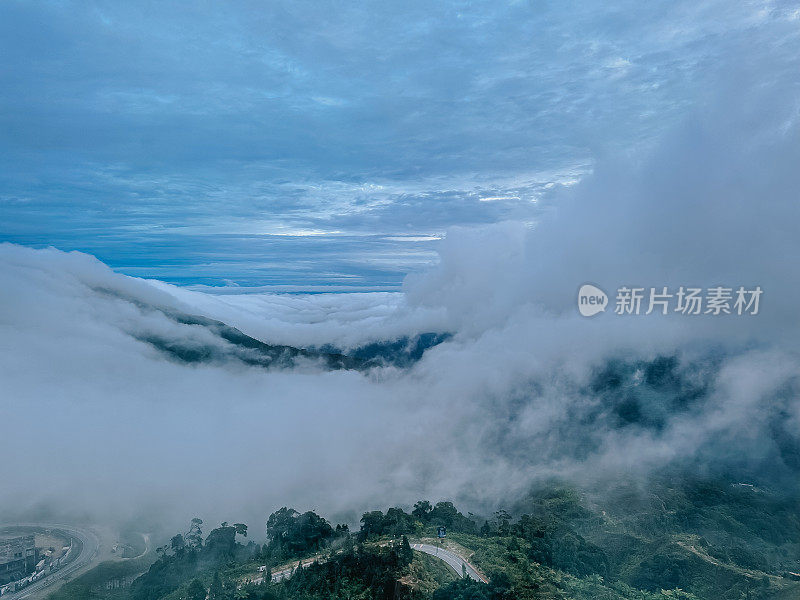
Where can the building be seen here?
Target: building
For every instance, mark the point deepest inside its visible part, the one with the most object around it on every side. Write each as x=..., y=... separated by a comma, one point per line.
x=18, y=558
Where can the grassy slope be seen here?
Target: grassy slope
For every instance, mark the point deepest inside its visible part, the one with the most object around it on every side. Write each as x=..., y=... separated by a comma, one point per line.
x=92, y=584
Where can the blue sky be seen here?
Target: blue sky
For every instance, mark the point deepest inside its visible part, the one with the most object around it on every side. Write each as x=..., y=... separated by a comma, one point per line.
x=326, y=143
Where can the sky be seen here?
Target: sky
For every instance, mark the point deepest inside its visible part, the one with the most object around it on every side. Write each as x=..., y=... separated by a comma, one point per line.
x=325, y=145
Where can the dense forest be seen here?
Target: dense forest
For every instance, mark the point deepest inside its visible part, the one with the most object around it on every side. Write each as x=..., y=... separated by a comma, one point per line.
x=703, y=539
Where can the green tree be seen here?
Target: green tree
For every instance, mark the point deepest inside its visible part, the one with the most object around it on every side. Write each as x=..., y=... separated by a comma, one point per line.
x=281, y=522
x=196, y=590
x=293, y=534
x=216, y=591
x=195, y=534
x=503, y=523
x=398, y=522
x=445, y=513
x=372, y=524
x=221, y=543
x=422, y=510
x=178, y=544
x=406, y=553
x=486, y=529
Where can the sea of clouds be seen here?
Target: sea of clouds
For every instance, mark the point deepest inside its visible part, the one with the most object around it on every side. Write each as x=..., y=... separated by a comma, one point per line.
x=97, y=422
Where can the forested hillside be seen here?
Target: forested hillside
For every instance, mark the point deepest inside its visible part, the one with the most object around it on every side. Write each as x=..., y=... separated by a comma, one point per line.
x=702, y=539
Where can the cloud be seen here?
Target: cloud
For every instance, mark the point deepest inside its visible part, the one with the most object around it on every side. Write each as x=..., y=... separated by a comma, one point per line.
x=172, y=130
x=712, y=204
x=524, y=389
x=521, y=392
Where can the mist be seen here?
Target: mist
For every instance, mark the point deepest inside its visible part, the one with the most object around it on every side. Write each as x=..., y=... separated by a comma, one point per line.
x=103, y=425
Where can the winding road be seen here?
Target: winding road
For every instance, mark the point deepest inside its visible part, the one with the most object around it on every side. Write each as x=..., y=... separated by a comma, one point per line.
x=455, y=561
x=90, y=546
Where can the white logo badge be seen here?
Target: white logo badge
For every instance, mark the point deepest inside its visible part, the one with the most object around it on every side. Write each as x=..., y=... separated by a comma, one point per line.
x=591, y=300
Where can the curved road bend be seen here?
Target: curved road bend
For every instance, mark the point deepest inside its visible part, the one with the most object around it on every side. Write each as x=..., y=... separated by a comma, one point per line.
x=453, y=560
x=90, y=546
x=285, y=573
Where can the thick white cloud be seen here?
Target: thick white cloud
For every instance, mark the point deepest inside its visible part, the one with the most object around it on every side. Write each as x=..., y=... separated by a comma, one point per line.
x=100, y=421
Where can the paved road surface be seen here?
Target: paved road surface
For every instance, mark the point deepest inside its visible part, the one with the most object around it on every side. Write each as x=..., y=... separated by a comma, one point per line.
x=453, y=560
x=284, y=573
x=89, y=550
